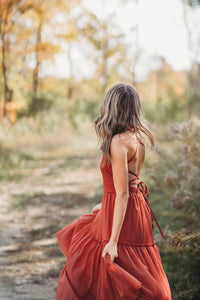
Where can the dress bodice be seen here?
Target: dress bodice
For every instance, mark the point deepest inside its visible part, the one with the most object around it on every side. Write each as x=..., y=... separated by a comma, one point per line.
x=106, y=171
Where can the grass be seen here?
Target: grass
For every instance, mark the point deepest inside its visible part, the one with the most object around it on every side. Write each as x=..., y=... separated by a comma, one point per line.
x=21, y=201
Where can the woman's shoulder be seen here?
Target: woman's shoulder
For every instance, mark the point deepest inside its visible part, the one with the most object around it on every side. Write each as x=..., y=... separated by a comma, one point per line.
x=121, y=141
x=118, y=143
x=125, y=137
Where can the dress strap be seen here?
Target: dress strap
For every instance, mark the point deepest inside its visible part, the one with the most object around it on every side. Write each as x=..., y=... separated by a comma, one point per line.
x=145, y=191
x=134, y=153
x=136, y=147
x=134, y=179
x=133, y=173
x=140, y=139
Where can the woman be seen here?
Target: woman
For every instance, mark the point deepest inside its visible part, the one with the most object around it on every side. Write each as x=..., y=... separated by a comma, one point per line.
x=111, y=252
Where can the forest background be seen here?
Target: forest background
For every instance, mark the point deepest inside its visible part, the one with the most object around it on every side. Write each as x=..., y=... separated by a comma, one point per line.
x=58, y=58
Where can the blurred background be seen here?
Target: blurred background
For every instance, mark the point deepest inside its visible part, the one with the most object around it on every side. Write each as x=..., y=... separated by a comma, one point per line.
x=57, y=60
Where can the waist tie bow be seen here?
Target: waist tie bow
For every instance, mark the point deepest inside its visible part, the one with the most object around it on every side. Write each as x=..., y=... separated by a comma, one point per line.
x=145, y=191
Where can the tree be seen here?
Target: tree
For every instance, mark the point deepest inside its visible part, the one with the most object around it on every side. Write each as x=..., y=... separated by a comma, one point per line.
x=107, y=42
x=23, y=33
x=9, y=11
x=43, y=49
x=70, y=34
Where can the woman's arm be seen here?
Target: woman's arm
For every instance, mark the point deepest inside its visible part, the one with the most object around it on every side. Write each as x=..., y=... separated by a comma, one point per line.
x=118, y=151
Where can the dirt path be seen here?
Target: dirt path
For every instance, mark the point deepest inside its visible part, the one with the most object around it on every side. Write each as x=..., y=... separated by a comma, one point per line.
x=31, y=210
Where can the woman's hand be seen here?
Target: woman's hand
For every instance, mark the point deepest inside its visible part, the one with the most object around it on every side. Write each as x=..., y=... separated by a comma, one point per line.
x=98, y=206
x=110, y=248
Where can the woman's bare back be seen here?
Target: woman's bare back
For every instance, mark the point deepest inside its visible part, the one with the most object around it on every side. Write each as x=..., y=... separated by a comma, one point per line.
x=136, y=156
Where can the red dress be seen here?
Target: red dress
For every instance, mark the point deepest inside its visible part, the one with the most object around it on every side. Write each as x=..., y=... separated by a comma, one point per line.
x=136, y=273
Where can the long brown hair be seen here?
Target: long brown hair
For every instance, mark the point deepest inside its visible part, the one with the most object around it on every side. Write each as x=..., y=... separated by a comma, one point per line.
x=120, y=112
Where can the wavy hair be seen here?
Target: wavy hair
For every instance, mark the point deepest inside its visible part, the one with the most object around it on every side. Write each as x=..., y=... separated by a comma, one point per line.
x=120, y=112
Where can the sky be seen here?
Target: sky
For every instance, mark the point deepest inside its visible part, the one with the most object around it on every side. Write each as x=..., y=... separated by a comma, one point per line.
x=160, y=31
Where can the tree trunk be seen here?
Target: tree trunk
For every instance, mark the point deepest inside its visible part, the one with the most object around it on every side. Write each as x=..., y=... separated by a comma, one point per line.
x=105, y=62
x=7, y=93
x=70, y=82
x=37, y=56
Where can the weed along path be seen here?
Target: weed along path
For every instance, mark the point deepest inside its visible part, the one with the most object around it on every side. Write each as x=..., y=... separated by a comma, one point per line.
x=47, y=197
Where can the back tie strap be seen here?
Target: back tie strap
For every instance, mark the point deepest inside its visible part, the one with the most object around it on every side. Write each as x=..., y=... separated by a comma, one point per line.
x=145, y=191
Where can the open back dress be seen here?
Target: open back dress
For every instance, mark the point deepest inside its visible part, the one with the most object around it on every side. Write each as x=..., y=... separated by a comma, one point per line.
x=136, y=273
